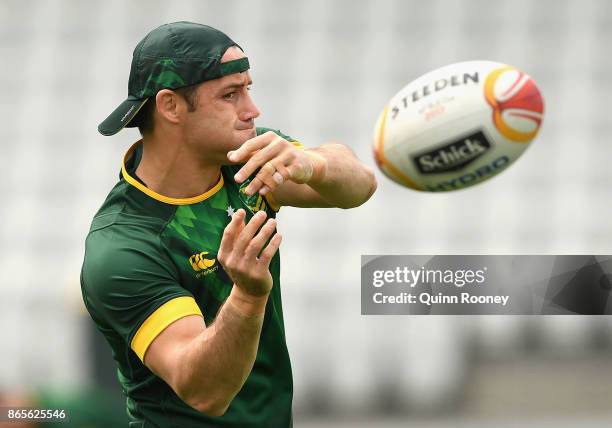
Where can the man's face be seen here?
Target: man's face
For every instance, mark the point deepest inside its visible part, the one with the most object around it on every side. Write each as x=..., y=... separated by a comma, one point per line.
x=224, y=117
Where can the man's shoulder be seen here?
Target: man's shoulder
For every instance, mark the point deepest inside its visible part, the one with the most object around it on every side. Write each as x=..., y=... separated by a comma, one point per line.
x=118, y=238
x=262, y=130
x=125, y=231
x=122, y=245
x=127, y=209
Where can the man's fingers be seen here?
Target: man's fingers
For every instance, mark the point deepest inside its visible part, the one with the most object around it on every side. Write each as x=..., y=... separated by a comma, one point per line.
x=250, y=146
x=268, y=184
x=259, y=159
x=271, y=249
x=249, y=231
x=281, y=168
x=264, y=190
x=257, y=243
x=255, y=185
x=270, y=176
x=230, y=233
x=298, y=173
x=264, y=178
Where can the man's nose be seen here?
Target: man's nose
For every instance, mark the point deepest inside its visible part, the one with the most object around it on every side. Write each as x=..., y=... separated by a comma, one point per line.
x=249, y=109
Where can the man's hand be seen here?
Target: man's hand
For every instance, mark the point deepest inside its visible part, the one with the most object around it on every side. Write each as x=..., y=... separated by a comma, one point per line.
x=243, y=256
x=207, y=365
x=279, y=161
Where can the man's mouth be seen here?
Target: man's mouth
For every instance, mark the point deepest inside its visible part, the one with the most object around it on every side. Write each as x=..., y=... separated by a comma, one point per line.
x=246, y=126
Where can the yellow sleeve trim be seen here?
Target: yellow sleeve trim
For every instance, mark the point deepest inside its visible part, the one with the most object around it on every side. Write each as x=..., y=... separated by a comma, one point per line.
x=163, y=316
x=297, y=144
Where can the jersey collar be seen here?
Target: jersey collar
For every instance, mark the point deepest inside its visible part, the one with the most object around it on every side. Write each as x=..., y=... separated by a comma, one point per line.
x=130, y=162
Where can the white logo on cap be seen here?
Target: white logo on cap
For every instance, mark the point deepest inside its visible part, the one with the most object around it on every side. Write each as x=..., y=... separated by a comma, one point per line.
x=127, y=114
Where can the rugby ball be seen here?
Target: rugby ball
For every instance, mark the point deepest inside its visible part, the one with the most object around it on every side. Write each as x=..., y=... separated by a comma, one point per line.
x=457, y=126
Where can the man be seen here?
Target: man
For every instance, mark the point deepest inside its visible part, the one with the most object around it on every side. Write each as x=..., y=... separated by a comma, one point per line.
x=181, y=269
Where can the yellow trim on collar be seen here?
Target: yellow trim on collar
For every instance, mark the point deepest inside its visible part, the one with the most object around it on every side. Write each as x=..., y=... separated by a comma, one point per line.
x=162, y=198
x=166, y=314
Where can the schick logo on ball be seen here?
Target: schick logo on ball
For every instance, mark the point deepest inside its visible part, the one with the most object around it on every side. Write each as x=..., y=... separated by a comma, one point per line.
x=453, y=156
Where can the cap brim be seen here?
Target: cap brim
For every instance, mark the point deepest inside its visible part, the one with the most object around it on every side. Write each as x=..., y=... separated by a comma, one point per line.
x=121, y=117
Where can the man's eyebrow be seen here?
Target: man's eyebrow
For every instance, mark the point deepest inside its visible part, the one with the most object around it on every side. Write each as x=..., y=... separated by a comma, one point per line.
x=236, y=85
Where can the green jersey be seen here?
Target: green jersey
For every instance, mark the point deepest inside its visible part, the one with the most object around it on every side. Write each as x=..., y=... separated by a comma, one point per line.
x=151, y=260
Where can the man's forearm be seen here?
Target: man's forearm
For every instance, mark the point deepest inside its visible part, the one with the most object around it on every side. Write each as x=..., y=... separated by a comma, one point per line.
x=339, y=177
x=217, y=363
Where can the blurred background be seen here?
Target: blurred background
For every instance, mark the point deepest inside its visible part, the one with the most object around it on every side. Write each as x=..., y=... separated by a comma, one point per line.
x=323, y=70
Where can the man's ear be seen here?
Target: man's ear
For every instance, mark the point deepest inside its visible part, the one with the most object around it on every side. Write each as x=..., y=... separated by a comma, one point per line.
x=170, y=106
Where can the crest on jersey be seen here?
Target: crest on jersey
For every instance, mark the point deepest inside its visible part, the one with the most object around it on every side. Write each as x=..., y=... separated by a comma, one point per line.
x=255, y=202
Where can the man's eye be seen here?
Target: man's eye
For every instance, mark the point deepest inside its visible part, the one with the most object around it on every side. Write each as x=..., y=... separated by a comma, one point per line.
x=229, y=95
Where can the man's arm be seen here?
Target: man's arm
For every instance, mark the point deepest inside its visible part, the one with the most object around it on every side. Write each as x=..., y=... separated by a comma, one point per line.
x=207, y=366
x=339, y=179
x=327, y=176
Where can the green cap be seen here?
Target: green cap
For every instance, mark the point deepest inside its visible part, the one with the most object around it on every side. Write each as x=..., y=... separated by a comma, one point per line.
x=170, y=57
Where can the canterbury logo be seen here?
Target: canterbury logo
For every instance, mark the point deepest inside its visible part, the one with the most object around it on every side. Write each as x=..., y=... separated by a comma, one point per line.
x=199, y=261
x=517, y=103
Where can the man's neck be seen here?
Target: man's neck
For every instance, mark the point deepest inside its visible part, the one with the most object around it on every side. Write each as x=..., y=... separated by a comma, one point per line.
x=174, y=172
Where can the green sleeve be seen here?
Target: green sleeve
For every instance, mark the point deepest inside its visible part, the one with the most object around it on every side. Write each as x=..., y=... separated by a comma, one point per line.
x=262, y=130
x=131, y=287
